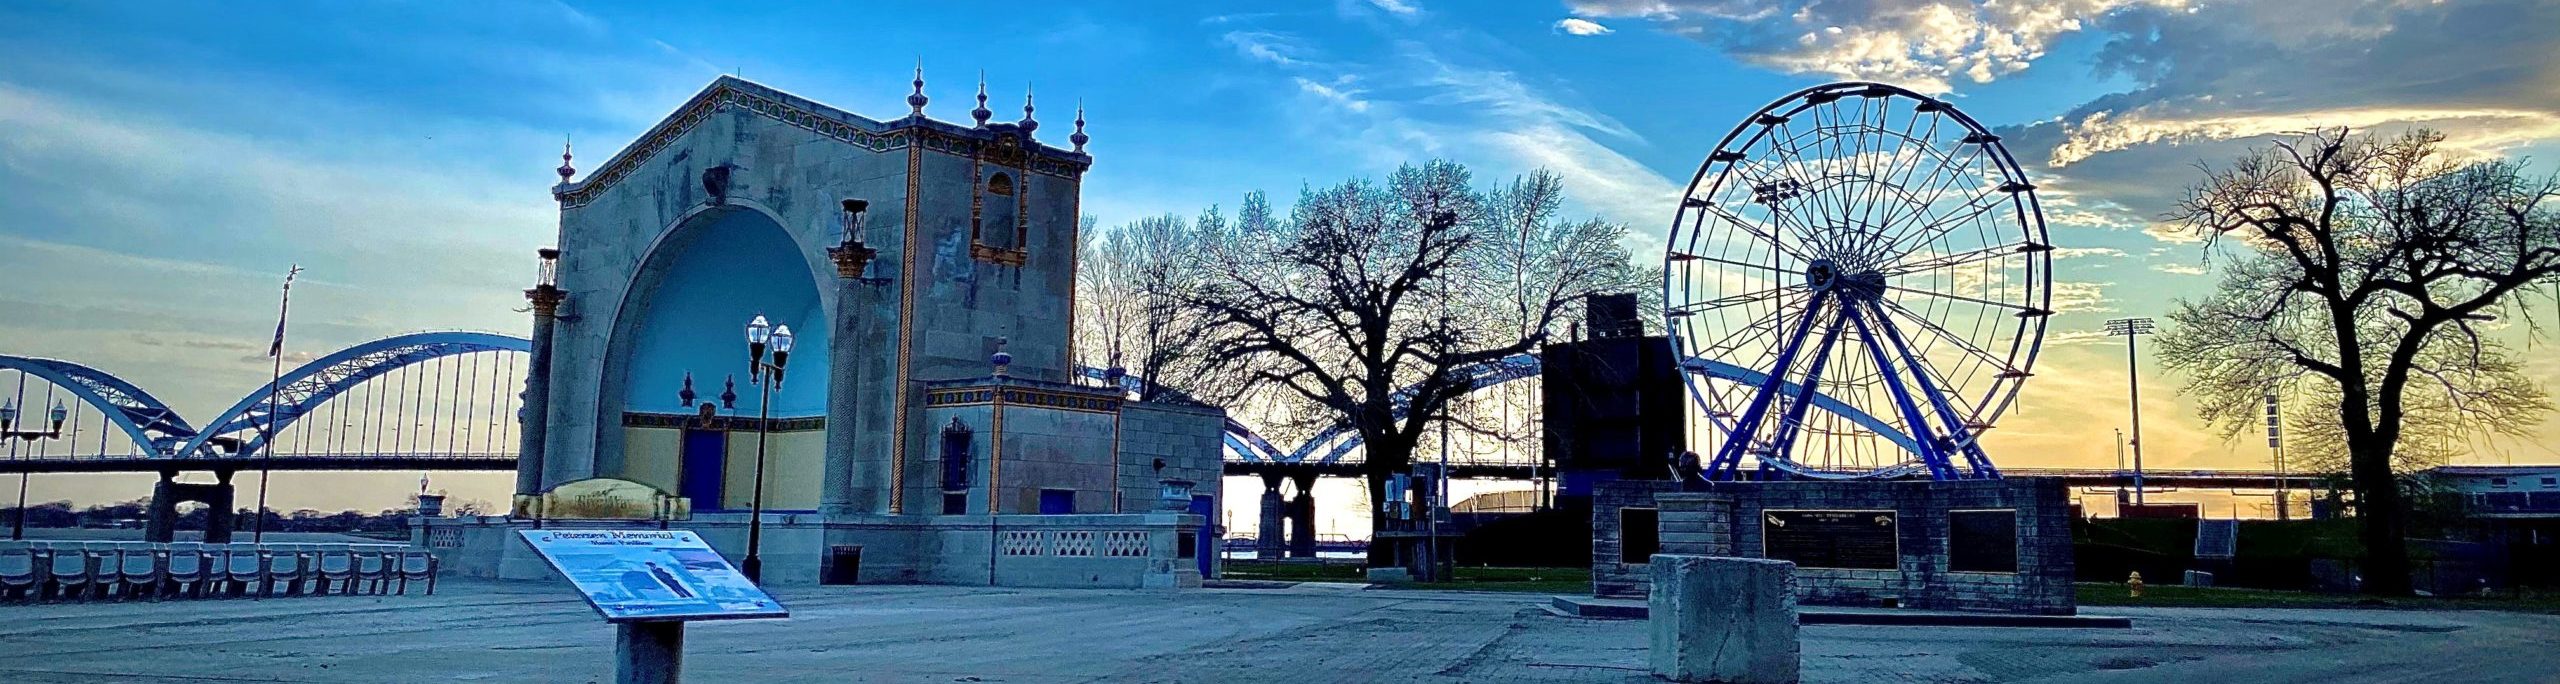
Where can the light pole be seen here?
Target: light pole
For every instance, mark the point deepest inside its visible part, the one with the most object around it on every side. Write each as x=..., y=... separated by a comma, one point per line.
x=2121, y=497
x=768, y=377
x=2132, y=329
x=2275, y=441
x=8, y=423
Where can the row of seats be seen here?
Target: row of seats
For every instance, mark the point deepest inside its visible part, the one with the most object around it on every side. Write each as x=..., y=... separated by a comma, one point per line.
x=97, y=570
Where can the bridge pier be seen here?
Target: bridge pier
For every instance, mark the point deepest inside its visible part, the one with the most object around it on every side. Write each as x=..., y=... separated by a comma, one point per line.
x=1271, y=541
x=169, y=492
x=1302, y=516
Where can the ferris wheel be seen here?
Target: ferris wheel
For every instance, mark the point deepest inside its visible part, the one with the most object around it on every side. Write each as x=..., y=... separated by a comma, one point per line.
x=1874, y=266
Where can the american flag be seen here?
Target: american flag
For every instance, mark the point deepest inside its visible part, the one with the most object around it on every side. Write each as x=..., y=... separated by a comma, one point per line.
x=276, y=349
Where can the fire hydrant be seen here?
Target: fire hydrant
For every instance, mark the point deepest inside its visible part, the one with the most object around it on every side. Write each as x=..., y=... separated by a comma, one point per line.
x=2133, y=584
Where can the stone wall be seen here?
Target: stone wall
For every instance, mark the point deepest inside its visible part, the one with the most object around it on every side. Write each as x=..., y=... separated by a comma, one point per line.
x=1190, y=440
x=1727, y=520
x=1611, y=575
x=1098, y=551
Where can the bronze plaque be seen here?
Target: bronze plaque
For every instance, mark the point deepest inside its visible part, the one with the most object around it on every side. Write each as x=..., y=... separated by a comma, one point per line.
x=1853, y=540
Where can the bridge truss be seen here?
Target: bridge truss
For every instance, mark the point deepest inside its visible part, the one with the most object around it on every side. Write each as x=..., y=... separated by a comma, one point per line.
x=410, y=401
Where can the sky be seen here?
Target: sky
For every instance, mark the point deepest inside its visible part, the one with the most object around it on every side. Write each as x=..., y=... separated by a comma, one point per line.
x=162, y=164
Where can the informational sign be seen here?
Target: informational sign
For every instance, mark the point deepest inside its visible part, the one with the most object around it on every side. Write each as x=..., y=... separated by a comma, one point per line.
x=642, y=575
x=1853, y=540
x=1982, y=541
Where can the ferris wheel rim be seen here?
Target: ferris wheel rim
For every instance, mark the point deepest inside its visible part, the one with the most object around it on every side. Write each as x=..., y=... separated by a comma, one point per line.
x=2024, y=346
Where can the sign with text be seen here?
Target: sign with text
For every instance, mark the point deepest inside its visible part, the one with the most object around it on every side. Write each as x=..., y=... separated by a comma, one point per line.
x=640, y=575
x=1853, y=540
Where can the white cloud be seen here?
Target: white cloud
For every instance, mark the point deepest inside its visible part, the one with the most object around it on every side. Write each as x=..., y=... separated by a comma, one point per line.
x=1267, y=47
x=1338, y=96
x=1924, y=44
x=2060, y=337
x=1582, y=27
x=2079, y=252
x=1423, y=102
x=2078, y=297
x=2483, y=132
x=1399, y=7
x=2177, y=268
x=2215, y=80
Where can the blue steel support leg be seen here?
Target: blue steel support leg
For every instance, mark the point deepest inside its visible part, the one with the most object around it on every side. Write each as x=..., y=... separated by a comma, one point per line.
x=1956, y=430
x=1729, y=456
x=1926, y=439
x=1792, y=423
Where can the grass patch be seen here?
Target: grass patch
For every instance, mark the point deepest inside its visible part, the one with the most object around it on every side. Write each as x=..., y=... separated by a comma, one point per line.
x=2105, y=594
x=1541, y=580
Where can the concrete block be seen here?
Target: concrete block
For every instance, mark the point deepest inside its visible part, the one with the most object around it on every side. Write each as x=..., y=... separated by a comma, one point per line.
x=1717, y=619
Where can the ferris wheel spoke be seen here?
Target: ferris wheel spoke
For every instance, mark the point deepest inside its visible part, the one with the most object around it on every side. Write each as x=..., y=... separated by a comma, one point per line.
x=1731, y=300
x=1764, y=321
x=2023, y=310
x=1793, y=164
x=1749, y=227
x=1941, y=331
x=1960, y=427
x=1942, y=177
x=1778, y=184
x=1966, y=257
x=1940, y=227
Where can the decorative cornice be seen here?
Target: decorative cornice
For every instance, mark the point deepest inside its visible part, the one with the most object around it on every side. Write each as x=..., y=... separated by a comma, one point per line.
x=1021, y=394
x=877, y=136
x=724, y=423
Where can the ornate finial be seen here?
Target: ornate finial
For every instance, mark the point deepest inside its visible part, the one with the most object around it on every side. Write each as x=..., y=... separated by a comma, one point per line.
x=1079, y=137
x=982, y=113
x=729, y=392
x=1028, y=124
x=565, y=169
x=917, y=99
x=1003, y=360
x=686, y=395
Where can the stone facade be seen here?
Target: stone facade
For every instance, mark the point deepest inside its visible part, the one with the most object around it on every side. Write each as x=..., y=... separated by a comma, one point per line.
x=947, y=303
x=1727, y=520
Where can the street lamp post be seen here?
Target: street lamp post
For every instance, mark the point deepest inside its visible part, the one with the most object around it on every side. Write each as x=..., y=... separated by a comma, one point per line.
x=2131, y=329
x=768, y=377
x=8, y=425
x=2275, y=442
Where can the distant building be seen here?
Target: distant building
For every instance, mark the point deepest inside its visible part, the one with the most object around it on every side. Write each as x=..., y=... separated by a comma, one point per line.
x=2503, y=492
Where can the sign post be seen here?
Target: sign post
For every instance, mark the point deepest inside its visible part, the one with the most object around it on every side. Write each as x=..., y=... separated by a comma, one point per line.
x=649, y=583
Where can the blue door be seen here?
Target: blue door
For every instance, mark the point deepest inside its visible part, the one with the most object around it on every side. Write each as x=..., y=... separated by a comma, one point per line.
x=705, y=460
x=1206, y=507
x=1057, y=501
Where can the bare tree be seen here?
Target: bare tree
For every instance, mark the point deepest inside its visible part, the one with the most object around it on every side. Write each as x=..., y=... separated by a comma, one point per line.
x=2365, y=276
x=1129, y=280
x=1362, y=308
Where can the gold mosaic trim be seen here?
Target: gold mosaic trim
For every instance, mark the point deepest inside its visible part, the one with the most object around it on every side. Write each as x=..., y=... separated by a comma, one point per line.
x=1021, y=396
x=729, y=423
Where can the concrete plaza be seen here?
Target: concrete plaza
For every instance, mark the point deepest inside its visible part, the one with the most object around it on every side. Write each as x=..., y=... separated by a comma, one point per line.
x=539, y=632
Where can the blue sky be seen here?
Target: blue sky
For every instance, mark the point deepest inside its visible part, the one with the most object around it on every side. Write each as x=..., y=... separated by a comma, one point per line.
x=161, y=164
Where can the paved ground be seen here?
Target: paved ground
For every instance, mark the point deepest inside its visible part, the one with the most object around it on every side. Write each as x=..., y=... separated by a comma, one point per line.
x=532, y=632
